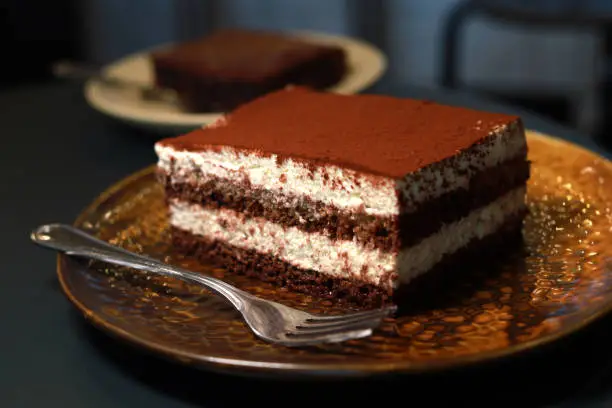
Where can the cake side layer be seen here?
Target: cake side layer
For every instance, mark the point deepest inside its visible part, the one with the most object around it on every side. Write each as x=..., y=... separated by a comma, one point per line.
x=303, y=250
x=418, y=259
x=269, y=268
x=384, y=232
x=315, y=251
x=342, y=187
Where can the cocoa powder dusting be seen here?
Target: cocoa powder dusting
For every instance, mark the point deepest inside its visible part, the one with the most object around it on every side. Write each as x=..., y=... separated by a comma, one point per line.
x=374, y=134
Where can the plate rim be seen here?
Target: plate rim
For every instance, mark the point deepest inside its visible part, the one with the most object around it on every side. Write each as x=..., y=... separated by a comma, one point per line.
x=318, y=370
x=199, y=119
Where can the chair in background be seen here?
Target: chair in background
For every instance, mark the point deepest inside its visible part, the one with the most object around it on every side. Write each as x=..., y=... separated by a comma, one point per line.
x=541, y=13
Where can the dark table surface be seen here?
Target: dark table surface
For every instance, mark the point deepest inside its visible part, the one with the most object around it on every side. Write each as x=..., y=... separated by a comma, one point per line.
x=58, y=154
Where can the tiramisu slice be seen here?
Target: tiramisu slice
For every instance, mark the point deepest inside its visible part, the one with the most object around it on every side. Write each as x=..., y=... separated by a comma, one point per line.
x=344, y=196
x=222, y=70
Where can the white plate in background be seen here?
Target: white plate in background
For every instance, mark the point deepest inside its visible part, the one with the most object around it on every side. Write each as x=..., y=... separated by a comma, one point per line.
x=366, y=64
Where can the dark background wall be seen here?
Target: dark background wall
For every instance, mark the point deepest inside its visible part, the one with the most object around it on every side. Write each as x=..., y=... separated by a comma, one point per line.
x=33, y=33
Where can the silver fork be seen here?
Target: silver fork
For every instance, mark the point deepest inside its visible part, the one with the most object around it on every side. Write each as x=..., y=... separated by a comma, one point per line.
x=270, y=321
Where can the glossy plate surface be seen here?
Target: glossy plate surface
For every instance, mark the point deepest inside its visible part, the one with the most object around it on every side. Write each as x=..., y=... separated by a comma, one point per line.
x=562, y=281
x=366, y=65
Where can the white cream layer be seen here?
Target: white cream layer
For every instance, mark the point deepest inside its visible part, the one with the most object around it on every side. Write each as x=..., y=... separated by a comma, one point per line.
x=343, y=188
x=343, y=258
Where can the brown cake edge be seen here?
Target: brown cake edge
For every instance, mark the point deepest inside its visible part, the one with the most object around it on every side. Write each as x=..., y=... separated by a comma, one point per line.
x=270, y=269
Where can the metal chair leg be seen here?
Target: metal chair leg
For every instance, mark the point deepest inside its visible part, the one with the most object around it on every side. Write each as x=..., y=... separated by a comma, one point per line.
x=452, y=37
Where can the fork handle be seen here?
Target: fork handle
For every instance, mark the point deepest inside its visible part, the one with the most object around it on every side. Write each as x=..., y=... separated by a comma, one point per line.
x=81, y=72
x=75, y=242
x=76, y=71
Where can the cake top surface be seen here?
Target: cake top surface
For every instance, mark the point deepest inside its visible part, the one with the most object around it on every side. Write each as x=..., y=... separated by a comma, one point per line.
x=240, y=53
x=375, y=134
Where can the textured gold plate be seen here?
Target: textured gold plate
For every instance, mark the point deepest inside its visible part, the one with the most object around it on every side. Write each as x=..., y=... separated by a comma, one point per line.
x=560, y=283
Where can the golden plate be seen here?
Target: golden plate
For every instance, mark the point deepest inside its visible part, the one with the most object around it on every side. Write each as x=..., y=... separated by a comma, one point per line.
x=560, y=284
